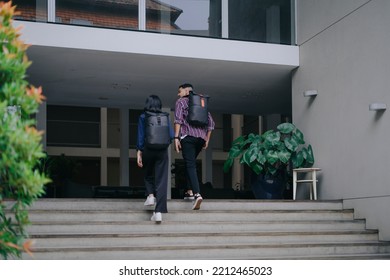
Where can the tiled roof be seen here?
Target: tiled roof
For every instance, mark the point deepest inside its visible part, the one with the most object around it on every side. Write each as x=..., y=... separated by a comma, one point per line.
x=157, y=5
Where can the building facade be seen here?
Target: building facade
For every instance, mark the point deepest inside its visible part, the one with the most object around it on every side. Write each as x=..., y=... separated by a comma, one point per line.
x=344, y=56
x=255, y=58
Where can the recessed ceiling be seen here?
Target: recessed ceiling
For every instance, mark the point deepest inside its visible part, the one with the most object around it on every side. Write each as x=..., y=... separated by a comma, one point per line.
x=116, y=80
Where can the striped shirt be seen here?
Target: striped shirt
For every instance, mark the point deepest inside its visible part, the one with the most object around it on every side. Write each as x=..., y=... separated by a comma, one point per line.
x=181, y=112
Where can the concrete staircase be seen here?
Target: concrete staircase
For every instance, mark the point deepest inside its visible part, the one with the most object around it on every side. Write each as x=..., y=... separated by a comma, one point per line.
x=93, y=229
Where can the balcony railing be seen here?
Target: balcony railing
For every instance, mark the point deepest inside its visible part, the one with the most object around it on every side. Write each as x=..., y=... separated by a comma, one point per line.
x=250, y=20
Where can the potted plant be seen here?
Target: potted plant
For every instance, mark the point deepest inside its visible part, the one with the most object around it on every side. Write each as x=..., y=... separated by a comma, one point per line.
x=271, y=156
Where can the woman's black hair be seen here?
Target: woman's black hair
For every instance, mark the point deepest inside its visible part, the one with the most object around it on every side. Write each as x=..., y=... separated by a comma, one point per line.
x=186, y=85
x=153, y=104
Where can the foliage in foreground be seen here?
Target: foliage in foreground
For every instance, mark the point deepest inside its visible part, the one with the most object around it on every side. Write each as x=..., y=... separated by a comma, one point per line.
x=21, y=183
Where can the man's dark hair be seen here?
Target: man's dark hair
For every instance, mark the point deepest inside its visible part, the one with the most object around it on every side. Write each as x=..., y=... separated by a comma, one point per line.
x=153, y=104
x=186, y=85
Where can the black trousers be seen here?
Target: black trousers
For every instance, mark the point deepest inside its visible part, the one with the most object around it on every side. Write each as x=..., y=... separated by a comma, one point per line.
x=191, y=147
x=155, y=164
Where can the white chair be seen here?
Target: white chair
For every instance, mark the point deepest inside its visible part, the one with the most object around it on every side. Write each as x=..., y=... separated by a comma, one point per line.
x=311, y=179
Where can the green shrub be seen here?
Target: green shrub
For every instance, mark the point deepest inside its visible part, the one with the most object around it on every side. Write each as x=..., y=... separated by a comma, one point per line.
x=21, y=183
x=273, y=153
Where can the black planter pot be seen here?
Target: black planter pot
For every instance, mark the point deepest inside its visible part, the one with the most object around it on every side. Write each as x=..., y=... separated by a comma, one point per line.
x=267, y=187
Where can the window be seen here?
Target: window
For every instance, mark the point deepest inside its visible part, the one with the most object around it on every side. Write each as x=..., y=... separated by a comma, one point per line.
x=189, y=17
x=113, y=14
x=69, y=126
x=32, y=10
x=263, y=21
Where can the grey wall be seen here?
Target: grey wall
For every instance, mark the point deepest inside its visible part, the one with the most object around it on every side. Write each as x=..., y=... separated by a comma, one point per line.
x=344, y=54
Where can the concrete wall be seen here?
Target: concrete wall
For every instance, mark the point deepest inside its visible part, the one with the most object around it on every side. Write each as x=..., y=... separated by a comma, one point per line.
x=344, y=54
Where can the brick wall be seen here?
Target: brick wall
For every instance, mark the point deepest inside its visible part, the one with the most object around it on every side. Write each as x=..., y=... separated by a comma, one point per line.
x=96, y=16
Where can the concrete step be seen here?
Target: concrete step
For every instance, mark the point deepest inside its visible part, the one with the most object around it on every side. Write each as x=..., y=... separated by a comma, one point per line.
x=37, y=216
x=190, y=226
x=169, y=239
x=226, y=251
x=223, y=229
x=180, y=205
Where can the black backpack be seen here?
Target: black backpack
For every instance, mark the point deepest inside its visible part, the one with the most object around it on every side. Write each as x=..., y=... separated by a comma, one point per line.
x=157, y=134
x=198, y=109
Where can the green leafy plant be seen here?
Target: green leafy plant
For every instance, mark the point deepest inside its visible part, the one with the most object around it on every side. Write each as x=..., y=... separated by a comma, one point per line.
x=21, y=183
x=273, y=152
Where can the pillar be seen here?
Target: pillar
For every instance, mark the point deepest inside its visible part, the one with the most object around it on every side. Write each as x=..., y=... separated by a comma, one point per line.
x=237, y=174
x=124, y=147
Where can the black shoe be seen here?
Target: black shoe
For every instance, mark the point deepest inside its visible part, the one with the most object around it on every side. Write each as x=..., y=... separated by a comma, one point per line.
x=188, y=196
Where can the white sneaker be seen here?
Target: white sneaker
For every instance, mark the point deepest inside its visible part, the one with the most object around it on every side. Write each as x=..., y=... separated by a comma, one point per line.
x=197, y=202
x=157, y=217
x=150, y=201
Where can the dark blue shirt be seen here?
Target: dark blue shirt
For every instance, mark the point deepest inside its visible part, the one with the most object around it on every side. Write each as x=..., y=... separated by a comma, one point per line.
x=141, y=132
